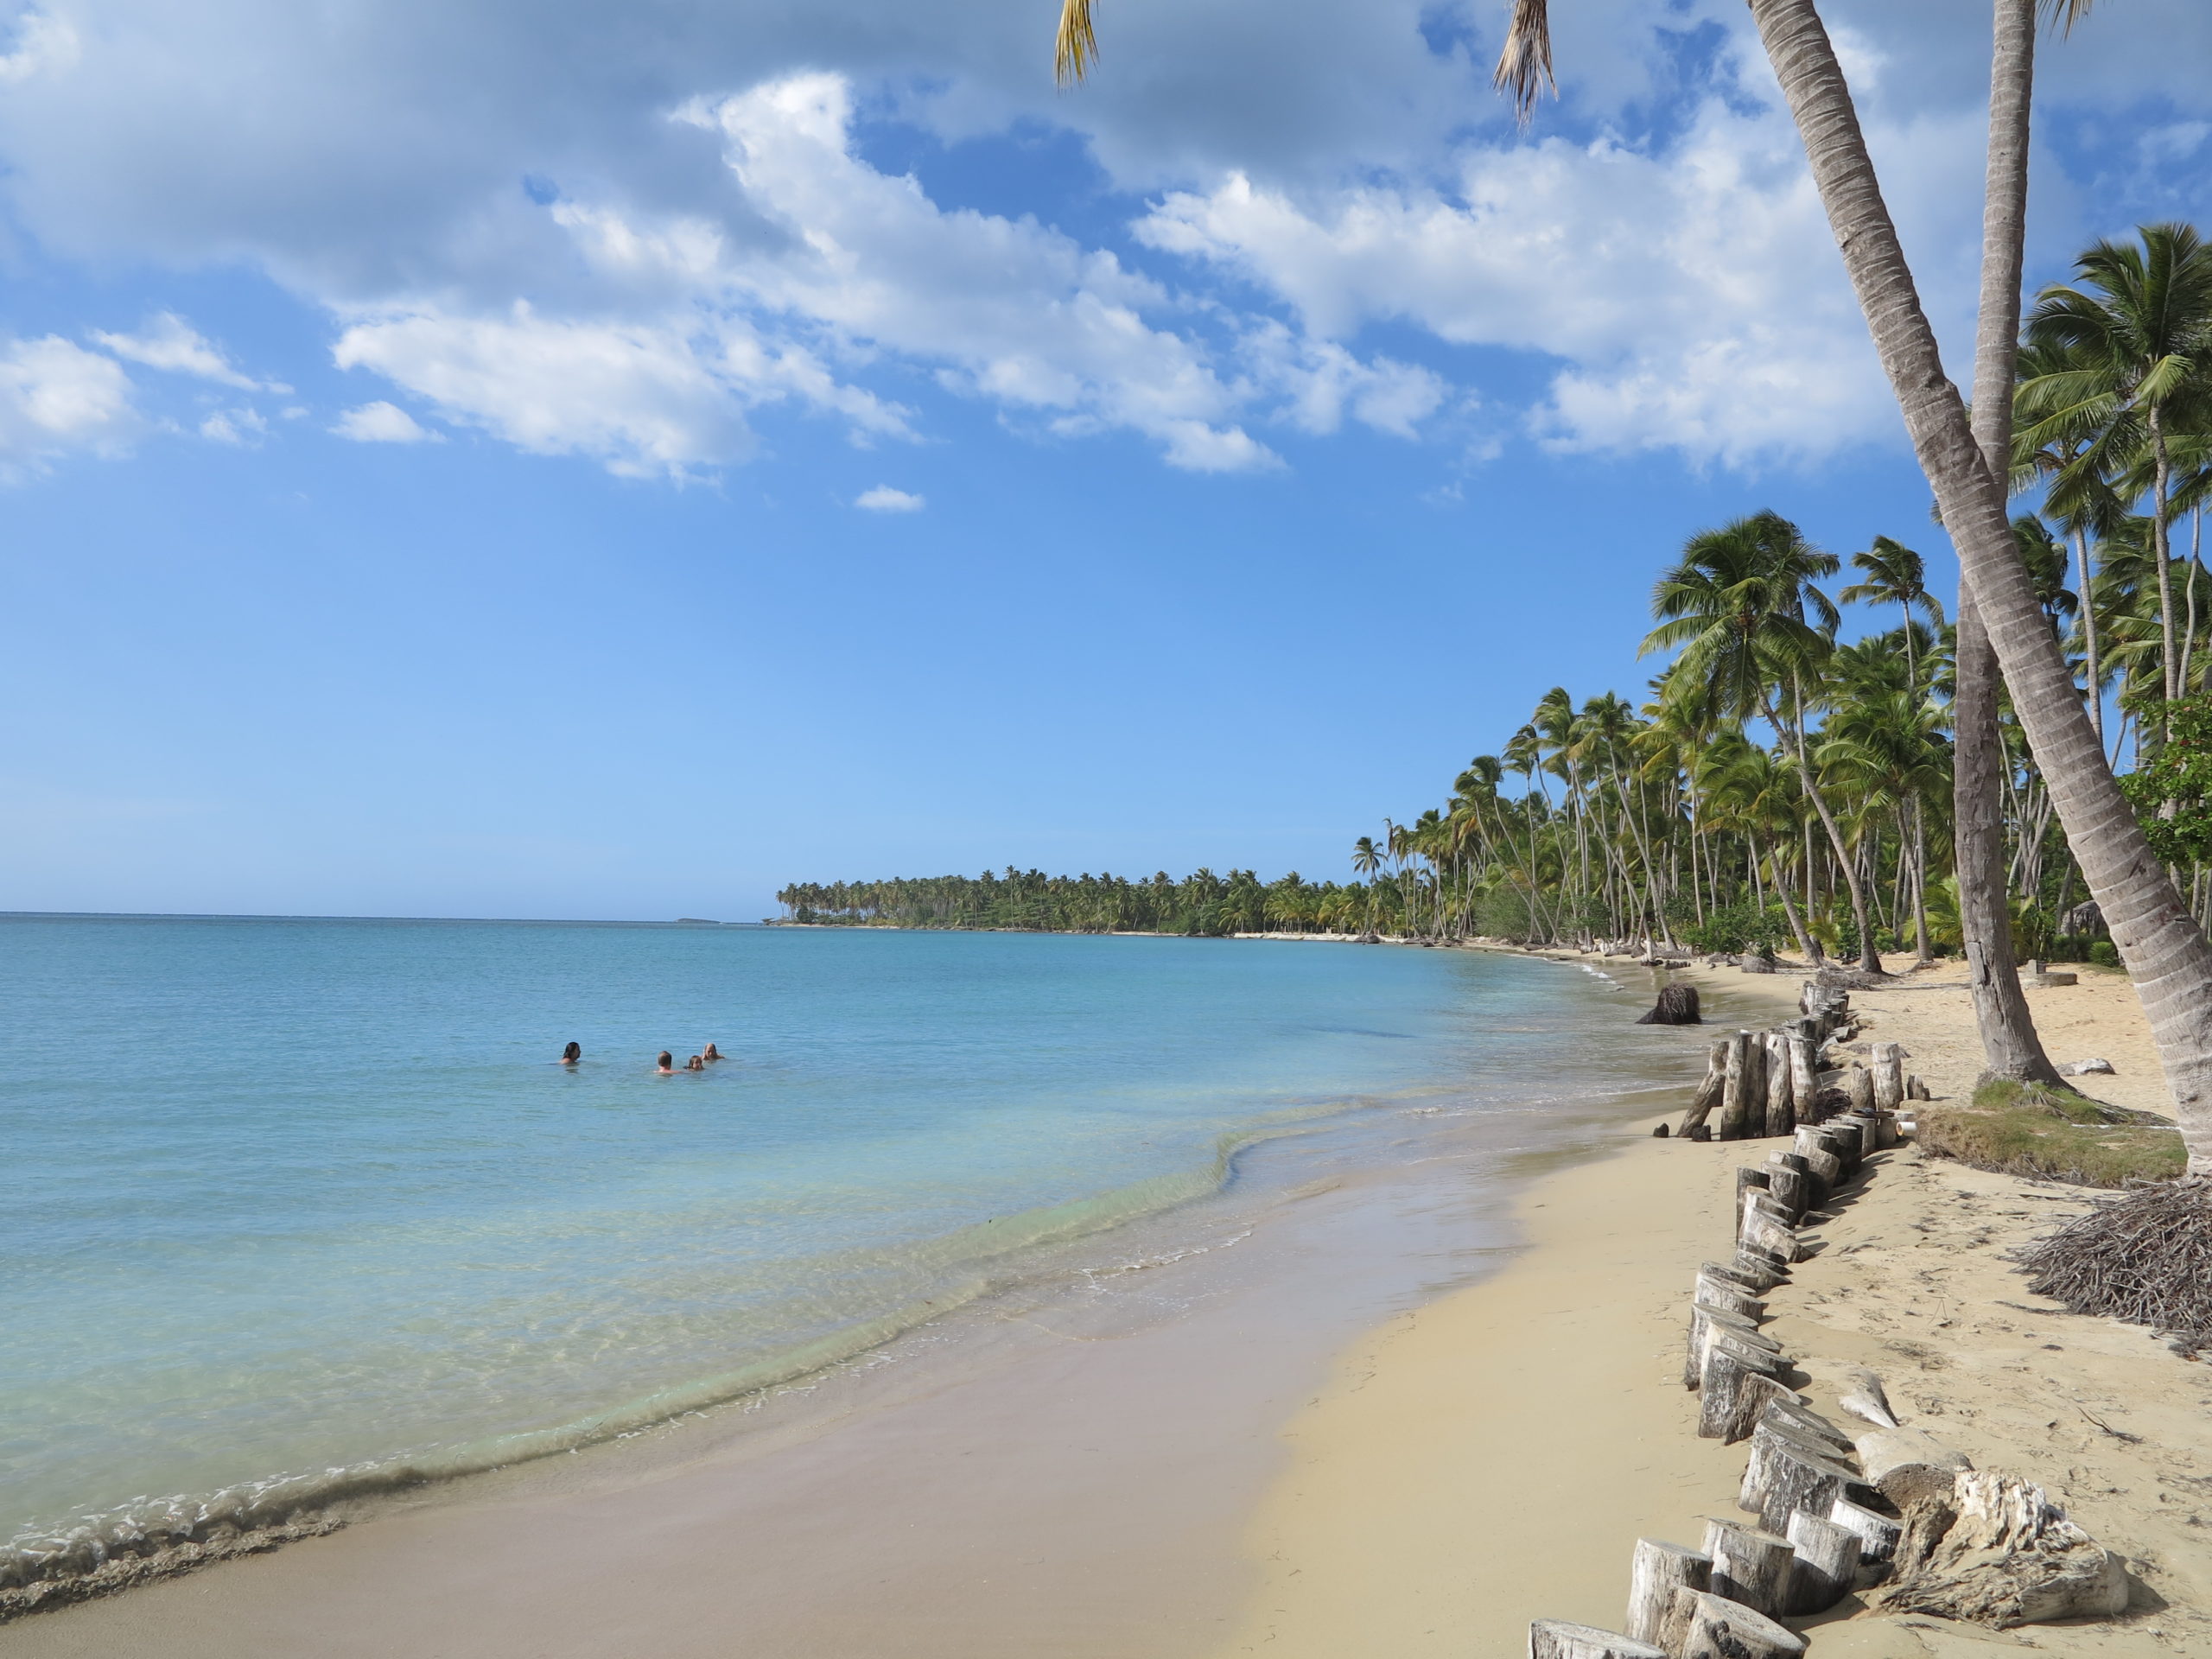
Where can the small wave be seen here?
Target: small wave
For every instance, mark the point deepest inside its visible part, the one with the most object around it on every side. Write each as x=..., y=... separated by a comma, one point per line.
x=149, y=1537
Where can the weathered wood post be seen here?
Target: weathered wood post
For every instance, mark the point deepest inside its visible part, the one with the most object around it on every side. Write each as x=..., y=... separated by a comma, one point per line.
x=1749, y=1565
x=1707, y=1626
x=1734, y=1103
x=1555, y=1638
x=1803, y=1087
x=1708, y=1092
x=1737, y=1381
x=1789, y=1186
x=1657, y=1572
x=1877, y=1534
x=1786, y=1476
x=1779, y=1097
x=1859, y=1084
x=1827, y=1564
x=1889, y=1076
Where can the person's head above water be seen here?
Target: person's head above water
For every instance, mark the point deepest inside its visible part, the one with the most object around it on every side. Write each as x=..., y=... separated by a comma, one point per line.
x=667, y=1061
x=713, y=1054
x=572, y=1053
x=695, y=1063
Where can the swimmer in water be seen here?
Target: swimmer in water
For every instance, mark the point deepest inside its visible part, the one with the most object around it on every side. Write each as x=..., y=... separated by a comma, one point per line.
x=667, y=1064
x=572, y=1053
x=712, y=1054
x=695, y=1063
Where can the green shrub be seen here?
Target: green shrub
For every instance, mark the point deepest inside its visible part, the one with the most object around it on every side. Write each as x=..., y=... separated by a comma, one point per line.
x=2029, y=1129
x=2104, y=953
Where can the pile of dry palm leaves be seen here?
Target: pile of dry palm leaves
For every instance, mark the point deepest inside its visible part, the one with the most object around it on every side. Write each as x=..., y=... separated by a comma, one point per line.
x=2145, y=1258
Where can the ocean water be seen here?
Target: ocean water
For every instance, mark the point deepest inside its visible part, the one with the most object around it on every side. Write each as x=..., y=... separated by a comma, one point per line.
x=294, y=1209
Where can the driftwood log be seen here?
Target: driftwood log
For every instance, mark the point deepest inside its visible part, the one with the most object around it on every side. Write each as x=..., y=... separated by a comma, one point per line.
x=1655, y=1572
x=1827, y=1564
x=1677, y=1006
x=1555, y=1638
x=1749, y=1565
x=1864, y=1398
x=1996, y=1551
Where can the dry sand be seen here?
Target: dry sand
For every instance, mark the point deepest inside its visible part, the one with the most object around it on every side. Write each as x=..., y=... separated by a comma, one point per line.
x=1493, y=1457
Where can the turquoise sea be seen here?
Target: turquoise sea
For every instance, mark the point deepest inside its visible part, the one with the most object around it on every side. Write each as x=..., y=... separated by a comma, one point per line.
x=294, y=1209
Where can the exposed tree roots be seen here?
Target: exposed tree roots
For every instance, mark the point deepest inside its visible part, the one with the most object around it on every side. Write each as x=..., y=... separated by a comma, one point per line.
x=2145, y=1258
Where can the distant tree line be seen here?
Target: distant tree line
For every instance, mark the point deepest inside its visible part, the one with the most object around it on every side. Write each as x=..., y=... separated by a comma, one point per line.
x=1202, y=904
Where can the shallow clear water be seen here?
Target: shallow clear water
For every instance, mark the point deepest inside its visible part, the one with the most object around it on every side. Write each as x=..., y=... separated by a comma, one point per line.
x=286, y=1198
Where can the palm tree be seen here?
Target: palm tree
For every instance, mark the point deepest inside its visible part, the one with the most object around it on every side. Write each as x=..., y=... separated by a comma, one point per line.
x=2166, y=953
x=1367, y=859
x=1895, y=575
x=1736, y=605
x=2137, y=324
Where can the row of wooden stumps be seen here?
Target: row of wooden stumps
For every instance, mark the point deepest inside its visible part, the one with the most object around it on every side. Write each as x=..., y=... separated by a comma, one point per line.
x=1817, y=1520
x=1760, y=1083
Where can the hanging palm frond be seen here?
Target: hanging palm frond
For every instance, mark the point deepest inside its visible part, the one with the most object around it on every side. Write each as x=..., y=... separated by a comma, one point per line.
x=1524, y=67
x=1076, y=49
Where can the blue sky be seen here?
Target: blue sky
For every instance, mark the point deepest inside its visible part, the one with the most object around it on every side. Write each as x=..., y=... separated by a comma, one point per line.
x=571, y=460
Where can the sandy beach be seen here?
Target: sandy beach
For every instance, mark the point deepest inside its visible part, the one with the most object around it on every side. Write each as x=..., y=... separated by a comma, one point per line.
x=1492, y=1459
x=1254, y=1479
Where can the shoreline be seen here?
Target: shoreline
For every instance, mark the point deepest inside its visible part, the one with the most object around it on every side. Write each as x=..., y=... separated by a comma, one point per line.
x=1177, y=1367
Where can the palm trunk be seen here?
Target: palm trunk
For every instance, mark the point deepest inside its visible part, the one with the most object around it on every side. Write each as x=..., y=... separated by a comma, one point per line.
x=1868, y=960
x=2168, y=662
x=2166, y=953
x=2009, y=1044
x=1805, y=945
x=2092, y=668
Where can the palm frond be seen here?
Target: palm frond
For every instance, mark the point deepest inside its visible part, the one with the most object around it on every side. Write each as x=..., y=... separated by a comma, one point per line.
x=1524, y=67
x=2064, y=14
x=1075, y=48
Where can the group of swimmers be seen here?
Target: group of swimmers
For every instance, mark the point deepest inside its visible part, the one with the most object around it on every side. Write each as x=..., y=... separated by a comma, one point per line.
x=666, y=1065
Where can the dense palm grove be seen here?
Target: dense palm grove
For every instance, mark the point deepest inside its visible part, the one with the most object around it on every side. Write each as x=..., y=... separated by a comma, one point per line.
x=1777, y=787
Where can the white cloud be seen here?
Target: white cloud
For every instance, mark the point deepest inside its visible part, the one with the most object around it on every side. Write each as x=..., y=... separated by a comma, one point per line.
x=243, y=427
x=44, y=45
x=57, y=398
x=169, y=343
x=884, y=498
x=382, y=422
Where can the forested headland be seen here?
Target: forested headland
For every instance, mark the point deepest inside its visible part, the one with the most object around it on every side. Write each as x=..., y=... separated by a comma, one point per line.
x=1775, y=785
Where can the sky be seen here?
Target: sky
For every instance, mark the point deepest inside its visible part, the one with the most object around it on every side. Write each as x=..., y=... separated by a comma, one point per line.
x=465, y=457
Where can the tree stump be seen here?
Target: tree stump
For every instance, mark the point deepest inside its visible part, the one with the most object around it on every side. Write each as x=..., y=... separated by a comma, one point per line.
x=1717, y=1287
x=1827, y=1564
x=1655, y=1573
x=1677, y=1006
x=1809, y=1427
x=1749, y=1176
x=1762, y=1230
x=1708, y=1092
x=1997, y=1552
x=1749, y=1565
x=1555, y=1638
x=1751, y=1260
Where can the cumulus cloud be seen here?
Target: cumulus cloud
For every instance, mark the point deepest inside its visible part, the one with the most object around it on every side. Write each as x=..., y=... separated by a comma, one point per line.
x=57, y=398
x=1345, y=171
x=243, y=427
x=884, y=498
x=382, y=422
x=169, y=343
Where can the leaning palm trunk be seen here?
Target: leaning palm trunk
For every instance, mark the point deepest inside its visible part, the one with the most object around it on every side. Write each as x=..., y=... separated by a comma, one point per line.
x=2009, y=1046
x=2166, y=953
